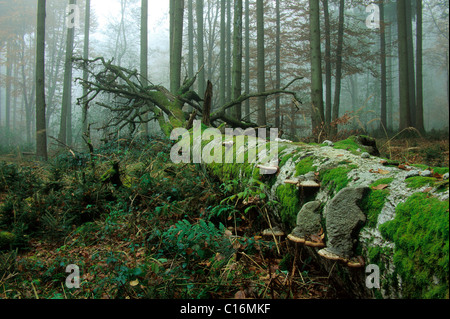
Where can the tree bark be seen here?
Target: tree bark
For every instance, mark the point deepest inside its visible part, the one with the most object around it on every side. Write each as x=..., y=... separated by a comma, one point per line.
x=247, y=58
x=316, y=66
x=419, y=69
x=87, y=23
x=237, y=58
x=200, y=50
x=337, y=83
x=41, y=131
x=327, y=63
x=66, y=108
x=176, y=44
x=411, y=64
x=405, y=119
x=277, y=63
x=261, y=79
x=383, y=122
x=222, y=79
x=144, y=54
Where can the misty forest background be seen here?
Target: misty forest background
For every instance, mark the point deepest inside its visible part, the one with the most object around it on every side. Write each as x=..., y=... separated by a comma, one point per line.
x=370, y=80
x=86, y=113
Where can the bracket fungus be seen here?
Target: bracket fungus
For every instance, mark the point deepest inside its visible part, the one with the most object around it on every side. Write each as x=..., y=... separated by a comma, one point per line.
x=309, y=229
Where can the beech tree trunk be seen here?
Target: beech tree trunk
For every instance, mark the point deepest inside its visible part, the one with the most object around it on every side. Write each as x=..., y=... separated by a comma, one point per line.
x=237, y=58
x=41, y=131
x=317, y=115
x=65, y=130
x=261, y=78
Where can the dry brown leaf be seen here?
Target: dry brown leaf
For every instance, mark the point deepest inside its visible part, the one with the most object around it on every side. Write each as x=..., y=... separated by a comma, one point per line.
x=379, y=187
x=383, y=172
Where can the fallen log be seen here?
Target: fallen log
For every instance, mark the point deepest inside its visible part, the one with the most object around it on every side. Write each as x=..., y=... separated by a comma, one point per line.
x=362, y=235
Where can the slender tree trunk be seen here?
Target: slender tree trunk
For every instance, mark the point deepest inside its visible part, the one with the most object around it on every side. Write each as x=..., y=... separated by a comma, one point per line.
x=229, y=52
x=277, y=62
x=177, y=45
x=247, y=57
x=66, y=125
x=337, y=83
x=383, y=67
x=144, y=54
x=222, y=80
x=411, y=65
x=419, y=69
x=390, y=90
x=200, y=51
x=87, y=23
x=403, y=65
x=9, y=65
x=316, y=66
x=261, y=78
x=1, y=99
x=327, y=64
x=237, y=58
x=190, y=60
x=41, y=131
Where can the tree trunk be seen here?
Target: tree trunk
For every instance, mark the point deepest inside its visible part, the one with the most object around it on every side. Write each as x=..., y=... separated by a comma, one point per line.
x=237, y=58
x=247, y=57
x=337, y=83
x=229, y=53
x=190, y=60
x=9, y=66
x=411, y=65
x=87, y=23
x=383, y=122
x=200, y=51
x=390, y=88
x=403, y=65
x=222, y=79
x=66, y=108
x=316, y=66
x=261, y=79
x=327, y=64
x=41, y=131
x=419, y=70
x=144, y=55
x=277, y=63
x=176, y=44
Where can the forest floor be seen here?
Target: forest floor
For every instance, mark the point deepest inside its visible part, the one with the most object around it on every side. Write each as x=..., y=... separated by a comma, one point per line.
x=168, y=232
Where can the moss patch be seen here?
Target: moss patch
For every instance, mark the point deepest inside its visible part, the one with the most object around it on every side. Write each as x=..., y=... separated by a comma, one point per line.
x=420, y=232
x=336, y=178
x=288, y=196
x=304, y=166
x=350, y=145
x=420, y=181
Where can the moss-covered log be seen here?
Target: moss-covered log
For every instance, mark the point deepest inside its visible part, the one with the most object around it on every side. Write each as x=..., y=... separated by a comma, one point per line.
x=394, y=220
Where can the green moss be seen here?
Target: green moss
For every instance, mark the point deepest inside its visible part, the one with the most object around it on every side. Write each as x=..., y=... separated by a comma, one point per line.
x=336, y=178
x=288, y=196
x=372, y=204
x=304, y=166
x=420, y=181
x=350, y=145
x=440, y=170
x=286, y=158
x=420, y=232
x=382, y=181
